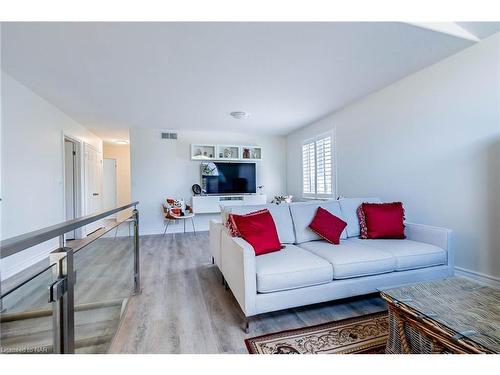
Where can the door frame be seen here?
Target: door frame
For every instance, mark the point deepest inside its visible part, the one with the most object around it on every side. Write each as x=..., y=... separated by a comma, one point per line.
x=116, y=182
x=79, y=179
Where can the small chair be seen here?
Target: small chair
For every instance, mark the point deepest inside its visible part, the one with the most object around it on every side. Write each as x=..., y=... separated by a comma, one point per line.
x=169, y=216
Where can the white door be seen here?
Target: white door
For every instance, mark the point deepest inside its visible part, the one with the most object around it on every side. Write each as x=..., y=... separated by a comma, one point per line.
x=109, y=183
x=93, y=186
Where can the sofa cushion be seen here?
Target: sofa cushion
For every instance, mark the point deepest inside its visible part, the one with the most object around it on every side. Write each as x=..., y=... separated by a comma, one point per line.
x=280, y=214
x=352, y=259
x=291, y=268
x=303, y=214
x=409, y=254
x=348, y=207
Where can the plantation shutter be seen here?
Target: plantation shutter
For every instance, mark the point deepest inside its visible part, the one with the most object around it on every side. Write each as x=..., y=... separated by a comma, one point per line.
x=317, y=170
x=308, y=168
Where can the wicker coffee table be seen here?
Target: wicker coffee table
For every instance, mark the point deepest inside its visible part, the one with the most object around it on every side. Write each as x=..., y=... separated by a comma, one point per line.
x=449, y=316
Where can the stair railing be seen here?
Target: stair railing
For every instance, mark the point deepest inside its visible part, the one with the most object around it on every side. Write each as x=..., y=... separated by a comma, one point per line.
x=61, y=262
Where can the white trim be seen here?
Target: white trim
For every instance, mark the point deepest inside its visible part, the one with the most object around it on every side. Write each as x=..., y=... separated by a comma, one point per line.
x=80, y=188
x=478, y=276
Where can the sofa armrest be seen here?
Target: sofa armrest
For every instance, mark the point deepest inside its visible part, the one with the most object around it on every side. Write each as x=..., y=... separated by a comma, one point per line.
x=436, y=236
x=238, y=268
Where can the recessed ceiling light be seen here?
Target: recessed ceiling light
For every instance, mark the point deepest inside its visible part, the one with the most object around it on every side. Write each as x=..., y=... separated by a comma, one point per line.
x=121, y=142
x=240, y=115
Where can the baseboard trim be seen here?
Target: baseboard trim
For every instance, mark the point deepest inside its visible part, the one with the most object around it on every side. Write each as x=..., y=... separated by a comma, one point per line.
x=478, y=276
x=156, y=232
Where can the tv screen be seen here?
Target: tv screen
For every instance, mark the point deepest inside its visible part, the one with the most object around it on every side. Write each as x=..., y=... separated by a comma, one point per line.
x=229, y=178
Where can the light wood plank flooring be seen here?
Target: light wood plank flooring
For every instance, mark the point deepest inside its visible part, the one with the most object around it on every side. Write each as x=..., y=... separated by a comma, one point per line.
x=184, y=308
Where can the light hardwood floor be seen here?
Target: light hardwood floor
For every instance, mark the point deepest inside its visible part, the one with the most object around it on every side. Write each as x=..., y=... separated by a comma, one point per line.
x=184, y=308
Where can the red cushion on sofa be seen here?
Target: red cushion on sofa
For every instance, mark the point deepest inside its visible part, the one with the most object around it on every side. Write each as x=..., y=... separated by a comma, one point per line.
x=231, y=225
x=384, y=220
x=259, y=231
x=328, y=226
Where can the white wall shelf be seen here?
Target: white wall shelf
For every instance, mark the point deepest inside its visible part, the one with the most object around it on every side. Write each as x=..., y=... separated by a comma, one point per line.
x=228, y=152
x=253, y=153
x=225, y=152
x=203, y=152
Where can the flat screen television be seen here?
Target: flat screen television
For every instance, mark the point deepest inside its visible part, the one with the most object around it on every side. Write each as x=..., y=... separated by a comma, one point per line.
x=229, y=178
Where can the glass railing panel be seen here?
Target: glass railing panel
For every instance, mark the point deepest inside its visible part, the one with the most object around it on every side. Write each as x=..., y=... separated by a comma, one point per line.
x=104, y=269
x=26, y=316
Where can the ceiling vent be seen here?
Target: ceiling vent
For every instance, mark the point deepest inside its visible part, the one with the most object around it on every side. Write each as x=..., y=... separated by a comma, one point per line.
x=168, y=135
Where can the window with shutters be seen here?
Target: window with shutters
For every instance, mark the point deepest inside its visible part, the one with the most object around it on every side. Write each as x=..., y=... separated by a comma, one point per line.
x=317, y=167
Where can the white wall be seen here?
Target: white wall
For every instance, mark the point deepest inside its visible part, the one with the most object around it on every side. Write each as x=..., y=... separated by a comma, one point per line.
x=32, y=167
x=163, y=168
x=431, y=140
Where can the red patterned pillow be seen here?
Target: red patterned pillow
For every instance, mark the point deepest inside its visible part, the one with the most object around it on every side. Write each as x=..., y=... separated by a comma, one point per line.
x=230, y=224
x=363, y=230
x=384, y=220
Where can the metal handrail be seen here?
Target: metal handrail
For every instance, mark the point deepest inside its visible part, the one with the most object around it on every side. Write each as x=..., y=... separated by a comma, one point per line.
x=16, y=244
x=61, y=290
x=95, y=236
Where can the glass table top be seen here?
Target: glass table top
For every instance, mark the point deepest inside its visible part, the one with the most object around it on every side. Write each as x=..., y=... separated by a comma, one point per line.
x=465, y=307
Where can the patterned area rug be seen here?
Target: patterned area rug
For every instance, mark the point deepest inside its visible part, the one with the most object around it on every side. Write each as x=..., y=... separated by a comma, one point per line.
x=365, y=334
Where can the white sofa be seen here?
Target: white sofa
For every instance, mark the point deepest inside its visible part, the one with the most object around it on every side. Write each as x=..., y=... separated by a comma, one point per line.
x=310, y=270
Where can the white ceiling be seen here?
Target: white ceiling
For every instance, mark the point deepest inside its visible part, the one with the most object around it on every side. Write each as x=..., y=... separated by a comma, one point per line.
x=191, y=75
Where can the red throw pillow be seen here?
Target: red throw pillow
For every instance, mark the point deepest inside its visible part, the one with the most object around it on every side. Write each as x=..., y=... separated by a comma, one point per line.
x=384, y=220
x=328, y=226
x=259, y=231
x=363, y=230
x=231, y=225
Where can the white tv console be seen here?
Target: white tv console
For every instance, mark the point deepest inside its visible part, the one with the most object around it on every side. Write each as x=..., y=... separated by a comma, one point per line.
x=210, y=204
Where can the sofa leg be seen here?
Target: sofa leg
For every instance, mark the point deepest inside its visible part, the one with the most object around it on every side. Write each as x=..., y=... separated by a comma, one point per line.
x=223, y=280
x=226, y=285
x=213, y=260
x=246, y=326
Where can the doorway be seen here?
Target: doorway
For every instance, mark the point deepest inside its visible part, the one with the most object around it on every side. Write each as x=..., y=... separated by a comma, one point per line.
x=109, y=183
x=93, y=186
x=72, y=183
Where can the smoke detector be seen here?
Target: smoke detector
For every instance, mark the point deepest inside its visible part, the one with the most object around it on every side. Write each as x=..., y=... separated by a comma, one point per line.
x=240, y=115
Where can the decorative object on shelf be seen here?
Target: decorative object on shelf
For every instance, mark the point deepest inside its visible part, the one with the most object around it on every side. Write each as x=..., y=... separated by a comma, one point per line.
x=225, y=152
x=260, y=188
x=196, y=189
x=209, y=169
x=200, y=151
x=278, y=199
